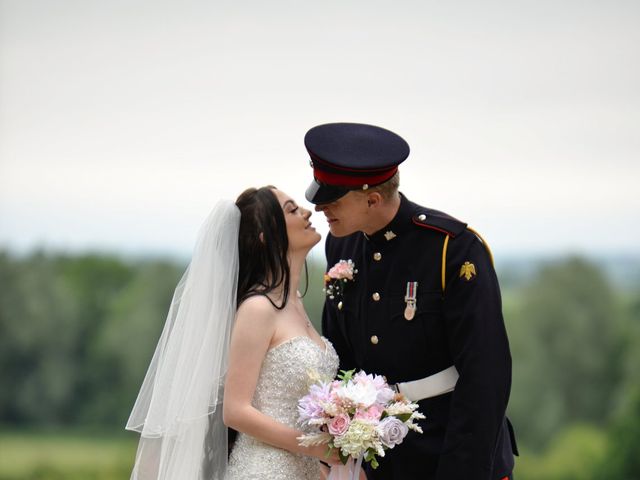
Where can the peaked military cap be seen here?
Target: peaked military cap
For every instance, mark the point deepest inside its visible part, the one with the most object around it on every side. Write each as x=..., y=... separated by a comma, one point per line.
x=351, y=156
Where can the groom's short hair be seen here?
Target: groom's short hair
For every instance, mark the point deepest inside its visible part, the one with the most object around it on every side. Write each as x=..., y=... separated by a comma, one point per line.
x=387, y=189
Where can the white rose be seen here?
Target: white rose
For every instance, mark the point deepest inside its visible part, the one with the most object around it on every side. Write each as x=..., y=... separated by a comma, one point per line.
x=392, y=431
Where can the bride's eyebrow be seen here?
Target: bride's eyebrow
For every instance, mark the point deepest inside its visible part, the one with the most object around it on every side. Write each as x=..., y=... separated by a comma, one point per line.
x=287, y=202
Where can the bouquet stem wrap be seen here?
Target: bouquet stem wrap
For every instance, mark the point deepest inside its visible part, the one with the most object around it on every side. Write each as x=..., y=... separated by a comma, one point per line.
x=350, y=471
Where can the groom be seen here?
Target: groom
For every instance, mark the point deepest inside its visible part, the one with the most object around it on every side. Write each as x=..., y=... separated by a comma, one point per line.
x=423, y=309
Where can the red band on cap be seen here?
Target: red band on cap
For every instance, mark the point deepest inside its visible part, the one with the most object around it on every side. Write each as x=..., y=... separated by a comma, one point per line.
x=351, y=181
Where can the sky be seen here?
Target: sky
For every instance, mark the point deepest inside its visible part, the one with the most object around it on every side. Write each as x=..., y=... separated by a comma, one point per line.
x=123, y=122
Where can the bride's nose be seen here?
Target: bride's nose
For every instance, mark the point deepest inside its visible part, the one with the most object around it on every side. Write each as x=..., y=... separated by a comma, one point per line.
x=307, y=214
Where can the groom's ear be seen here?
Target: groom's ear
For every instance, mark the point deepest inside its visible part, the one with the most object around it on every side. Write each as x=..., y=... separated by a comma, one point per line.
x=374, y=199
x=261, y=237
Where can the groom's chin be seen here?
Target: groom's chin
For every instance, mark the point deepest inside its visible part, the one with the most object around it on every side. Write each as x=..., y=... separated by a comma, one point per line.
x=336, y=231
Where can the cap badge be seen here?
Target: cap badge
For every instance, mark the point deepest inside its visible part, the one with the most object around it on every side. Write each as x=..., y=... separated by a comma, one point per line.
x=468, y=271
x=411, y=299
x=389, y=235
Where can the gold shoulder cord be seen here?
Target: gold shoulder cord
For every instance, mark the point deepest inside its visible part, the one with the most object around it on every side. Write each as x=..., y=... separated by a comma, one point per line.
x=486, y=245
x=444, y=261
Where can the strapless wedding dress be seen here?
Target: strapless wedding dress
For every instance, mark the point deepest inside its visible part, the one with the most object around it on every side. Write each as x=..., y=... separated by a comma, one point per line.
x=284, y=379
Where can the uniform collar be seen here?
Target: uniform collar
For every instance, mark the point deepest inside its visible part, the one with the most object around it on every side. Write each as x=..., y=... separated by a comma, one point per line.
x=397, y=227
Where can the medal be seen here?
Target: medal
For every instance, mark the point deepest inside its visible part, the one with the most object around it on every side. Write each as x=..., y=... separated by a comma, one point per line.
x=411, y=300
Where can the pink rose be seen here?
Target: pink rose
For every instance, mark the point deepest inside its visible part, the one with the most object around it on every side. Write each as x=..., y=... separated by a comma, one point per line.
x=374, y=412
x=339, y=425
x=342, y=269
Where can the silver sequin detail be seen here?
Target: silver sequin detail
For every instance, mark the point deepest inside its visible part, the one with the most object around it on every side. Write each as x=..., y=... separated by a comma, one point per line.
x=283, y=380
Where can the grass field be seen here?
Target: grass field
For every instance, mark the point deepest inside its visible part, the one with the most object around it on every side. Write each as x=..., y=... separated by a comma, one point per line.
x=66, y=456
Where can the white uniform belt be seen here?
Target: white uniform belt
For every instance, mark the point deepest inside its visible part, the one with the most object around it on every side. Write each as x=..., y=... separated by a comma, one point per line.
x=431, y=386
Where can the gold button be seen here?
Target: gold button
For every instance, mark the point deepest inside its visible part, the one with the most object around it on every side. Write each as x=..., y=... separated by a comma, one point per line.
x=375, y=296
x=377, y=256
x=422, y=217
x=374, y=339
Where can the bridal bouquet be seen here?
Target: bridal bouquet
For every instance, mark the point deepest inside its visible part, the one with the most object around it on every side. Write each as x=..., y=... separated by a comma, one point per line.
x=359, y=415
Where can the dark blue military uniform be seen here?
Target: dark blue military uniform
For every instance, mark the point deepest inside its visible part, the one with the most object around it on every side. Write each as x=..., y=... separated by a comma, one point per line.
x=466, y=434
x=456, y=320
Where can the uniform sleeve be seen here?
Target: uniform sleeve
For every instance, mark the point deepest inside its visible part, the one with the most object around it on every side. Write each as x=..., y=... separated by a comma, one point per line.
x=478, y=344
x=330, y=323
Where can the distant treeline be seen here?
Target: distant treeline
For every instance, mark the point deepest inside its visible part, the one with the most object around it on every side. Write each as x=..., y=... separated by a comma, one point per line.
x=77, y=333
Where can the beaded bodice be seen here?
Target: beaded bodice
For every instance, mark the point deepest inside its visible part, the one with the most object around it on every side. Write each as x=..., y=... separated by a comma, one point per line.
x=286, y=374
x=287, y=371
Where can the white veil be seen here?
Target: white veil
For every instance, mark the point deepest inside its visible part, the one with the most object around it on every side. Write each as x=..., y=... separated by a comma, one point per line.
x=179, y=408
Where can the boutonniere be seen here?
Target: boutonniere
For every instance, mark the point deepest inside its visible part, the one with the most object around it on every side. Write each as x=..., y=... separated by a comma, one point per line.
x=336, y=279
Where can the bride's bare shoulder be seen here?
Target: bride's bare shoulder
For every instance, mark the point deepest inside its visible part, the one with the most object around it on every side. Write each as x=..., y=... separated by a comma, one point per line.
x=257, y=305
x=255, y=320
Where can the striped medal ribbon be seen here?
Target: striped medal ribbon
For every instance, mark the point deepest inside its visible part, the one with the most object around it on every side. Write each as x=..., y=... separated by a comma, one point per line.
x=411, y=300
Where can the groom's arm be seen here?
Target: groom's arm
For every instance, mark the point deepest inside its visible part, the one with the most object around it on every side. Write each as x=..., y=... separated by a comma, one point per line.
x=479, y=346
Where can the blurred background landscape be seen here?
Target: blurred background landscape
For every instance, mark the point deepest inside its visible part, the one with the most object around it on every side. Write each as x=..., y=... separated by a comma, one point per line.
x=78, y=332
x=122, y=123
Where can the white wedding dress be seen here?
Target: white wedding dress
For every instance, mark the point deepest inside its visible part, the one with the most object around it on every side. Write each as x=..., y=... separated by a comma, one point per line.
x=284, y=379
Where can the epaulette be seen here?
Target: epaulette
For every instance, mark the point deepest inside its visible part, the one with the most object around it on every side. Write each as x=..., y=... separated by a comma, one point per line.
x=443, y=223
x=484, y=243
x=439, y=221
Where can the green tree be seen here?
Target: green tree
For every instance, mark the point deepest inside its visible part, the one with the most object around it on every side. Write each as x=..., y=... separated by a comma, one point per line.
x=71, y=331
x=573, y=454
x=95, y=281
x=38, y=312
x=623, y=459
x=568, y=351
x=126, y=341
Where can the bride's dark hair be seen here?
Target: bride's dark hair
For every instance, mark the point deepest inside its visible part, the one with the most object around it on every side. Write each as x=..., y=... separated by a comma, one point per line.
x=263, y=245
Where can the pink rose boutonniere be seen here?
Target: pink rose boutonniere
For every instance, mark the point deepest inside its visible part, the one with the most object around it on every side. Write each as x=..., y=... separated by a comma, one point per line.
x=336, y=279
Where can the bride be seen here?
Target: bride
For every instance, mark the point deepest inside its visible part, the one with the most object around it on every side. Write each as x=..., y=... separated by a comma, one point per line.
x=237, y=349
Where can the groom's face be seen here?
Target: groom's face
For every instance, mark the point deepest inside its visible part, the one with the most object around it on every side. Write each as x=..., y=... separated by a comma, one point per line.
x=346, y=215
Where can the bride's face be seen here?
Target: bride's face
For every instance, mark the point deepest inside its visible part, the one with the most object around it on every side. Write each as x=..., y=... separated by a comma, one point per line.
x=301, y=234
